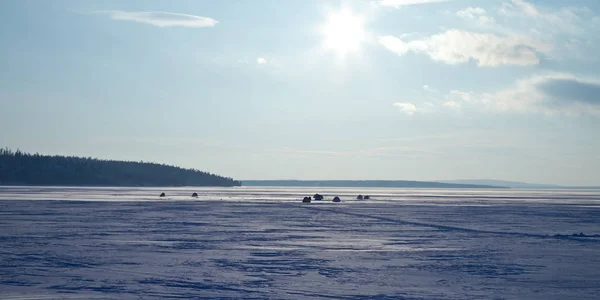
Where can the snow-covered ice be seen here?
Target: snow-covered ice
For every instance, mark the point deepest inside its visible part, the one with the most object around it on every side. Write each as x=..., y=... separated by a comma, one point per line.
x=263, y=243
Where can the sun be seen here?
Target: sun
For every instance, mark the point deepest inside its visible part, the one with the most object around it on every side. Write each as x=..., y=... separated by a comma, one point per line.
x=343, y=33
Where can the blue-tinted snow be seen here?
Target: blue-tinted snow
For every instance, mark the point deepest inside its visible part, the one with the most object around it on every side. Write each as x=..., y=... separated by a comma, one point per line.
x=263, y=243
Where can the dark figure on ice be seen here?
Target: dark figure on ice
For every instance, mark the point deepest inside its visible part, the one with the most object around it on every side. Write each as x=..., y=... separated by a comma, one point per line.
x=306, y=200
x=336, y=199
x=318, y=197
x=162, y=195
x=366, y=197
x=195, y=195
x=359, y=197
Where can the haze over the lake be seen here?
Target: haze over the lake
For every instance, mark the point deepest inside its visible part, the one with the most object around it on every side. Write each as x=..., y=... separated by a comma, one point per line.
x=381, y=89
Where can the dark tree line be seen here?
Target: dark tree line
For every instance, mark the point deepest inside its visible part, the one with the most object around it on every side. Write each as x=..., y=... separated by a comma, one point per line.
x=17, y=167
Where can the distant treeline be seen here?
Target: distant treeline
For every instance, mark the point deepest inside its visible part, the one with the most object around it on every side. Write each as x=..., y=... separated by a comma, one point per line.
x=18, y=168
x=363, y=183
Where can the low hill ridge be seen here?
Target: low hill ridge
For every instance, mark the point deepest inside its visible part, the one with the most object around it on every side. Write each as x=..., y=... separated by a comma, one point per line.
x=19, y=168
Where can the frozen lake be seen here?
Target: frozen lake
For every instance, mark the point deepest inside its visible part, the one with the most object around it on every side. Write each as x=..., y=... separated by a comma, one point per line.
x=262, y=243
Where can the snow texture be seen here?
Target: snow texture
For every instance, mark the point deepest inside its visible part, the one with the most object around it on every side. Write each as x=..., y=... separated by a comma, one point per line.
x=263, y=243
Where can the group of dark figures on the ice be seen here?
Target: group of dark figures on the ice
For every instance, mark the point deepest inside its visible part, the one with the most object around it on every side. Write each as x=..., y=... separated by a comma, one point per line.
x=194, y=195
x=319, y=197
x=308, y=199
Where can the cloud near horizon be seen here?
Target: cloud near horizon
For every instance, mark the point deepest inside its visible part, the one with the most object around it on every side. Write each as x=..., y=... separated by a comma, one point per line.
x=550, y=94
x=162, y=19
x=571, y=89
x=456, y=46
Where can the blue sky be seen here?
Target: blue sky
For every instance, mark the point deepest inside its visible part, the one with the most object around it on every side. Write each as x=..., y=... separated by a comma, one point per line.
x=388, y=89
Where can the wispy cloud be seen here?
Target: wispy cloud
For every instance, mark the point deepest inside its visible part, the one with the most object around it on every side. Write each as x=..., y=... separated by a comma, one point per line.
x=458, y=46
x=567, y=19
x=520, y=6
x=570, y=29
x=381, y=151
x=462, y=96
x=407, y=108
x=429, y=89
x=166, y=142
x=452, y=104
x=162, y=19
x=550, y=94
x=261, y=60
x=476, y=13
x=399, y=3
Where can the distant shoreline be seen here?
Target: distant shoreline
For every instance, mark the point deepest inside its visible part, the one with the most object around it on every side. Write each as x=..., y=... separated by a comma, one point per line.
x=323, y=184
x=365, y=183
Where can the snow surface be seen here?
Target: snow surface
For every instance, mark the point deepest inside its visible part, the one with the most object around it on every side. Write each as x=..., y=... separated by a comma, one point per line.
x=263, y=243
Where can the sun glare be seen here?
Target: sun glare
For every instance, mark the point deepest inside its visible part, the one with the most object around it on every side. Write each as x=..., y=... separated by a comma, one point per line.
x=343, y=33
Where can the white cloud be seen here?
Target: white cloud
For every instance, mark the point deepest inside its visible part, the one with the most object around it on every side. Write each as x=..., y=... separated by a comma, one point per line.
x=458, y=46
x=399, y=3
x=462, y=96
x=522, y=6
x=550, y=94
x=429, y=89
x=476, y=13
x=452, y=104
x=556, y=93
x=394, y=44
x=162, y=19
x=261, y=60
x=471, y=12
x=407, y=108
